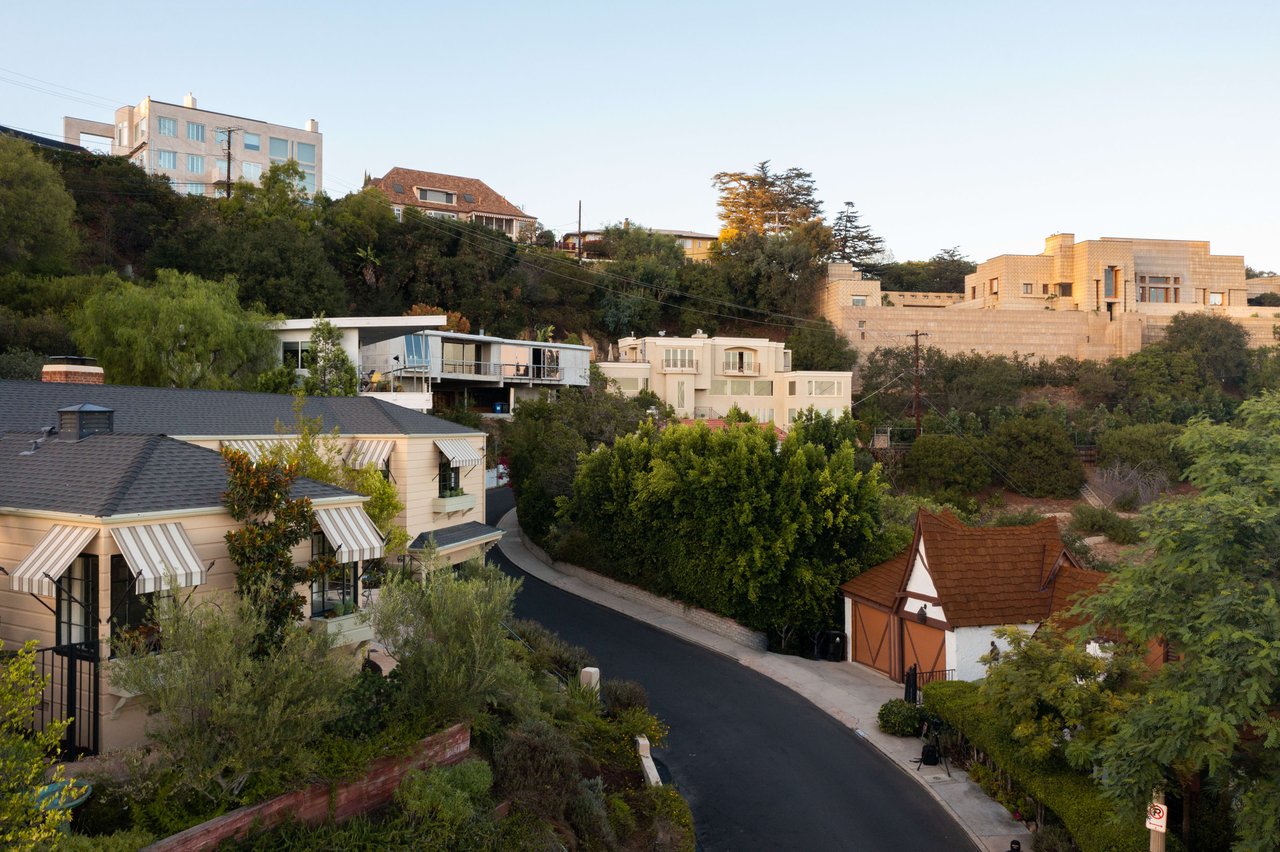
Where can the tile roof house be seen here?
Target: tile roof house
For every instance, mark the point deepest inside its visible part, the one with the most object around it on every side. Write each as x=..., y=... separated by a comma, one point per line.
x=936, y=604
x=94, y=523
x=436, y=465
x=453, y=197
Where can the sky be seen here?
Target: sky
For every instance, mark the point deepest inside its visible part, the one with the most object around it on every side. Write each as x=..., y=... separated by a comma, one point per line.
x=982, y=125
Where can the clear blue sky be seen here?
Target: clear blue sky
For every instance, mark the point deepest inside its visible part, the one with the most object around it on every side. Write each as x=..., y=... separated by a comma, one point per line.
x=984, y=125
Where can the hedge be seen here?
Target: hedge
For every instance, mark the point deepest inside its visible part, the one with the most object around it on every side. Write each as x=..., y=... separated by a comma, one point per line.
x=1071, y=795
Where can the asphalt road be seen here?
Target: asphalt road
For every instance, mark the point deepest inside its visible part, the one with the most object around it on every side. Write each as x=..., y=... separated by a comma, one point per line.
x=762, y=768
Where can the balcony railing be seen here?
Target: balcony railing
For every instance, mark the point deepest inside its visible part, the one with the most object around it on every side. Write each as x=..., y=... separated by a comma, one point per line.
x=735, y=369
x=470, y=368
x=679, y=366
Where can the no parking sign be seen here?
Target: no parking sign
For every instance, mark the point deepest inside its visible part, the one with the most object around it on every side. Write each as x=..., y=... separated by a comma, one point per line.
x=1157, y=817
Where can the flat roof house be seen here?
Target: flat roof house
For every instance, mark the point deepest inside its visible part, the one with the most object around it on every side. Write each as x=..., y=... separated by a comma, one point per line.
x=452, y=197
x=94, y=524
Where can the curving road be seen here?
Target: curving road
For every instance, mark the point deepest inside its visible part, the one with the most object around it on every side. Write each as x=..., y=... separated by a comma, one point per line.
x=761, y=767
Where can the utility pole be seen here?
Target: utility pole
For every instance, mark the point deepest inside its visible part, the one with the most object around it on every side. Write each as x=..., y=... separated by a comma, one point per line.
x=917, y=335
x=579, y=230
x=227, y=131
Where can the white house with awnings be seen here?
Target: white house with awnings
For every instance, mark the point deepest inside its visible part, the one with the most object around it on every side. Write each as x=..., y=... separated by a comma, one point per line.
x=94, y=524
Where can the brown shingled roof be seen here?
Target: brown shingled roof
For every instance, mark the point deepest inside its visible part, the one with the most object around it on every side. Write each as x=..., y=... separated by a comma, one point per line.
x=987, y=575
x=399, y=187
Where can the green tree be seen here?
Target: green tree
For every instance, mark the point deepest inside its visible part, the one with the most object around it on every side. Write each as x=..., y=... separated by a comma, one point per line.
x=37, y=214
x=855, y=242
x=25, y=762
x=820, y=347
x=233, y=722
x=329, y=368
x=1150, y=447
x=180, y=332
x=942, y=273
x=1212, y=592
x=19, y=363
x=1219, y=345
x=764, y=201
x=271, y=524
x=777, y=273
x=949, y=468
x=1036, y=456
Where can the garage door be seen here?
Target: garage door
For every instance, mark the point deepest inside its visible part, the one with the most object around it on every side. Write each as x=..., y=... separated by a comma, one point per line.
x=871, y=637
x=924, y=646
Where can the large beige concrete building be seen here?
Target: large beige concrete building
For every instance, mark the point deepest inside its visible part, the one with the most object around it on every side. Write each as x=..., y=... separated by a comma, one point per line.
x=703, y=377
x=189, y=145
x=1093, y=299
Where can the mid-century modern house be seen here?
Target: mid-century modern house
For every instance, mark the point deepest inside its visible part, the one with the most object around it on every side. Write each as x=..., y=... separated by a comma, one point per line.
x=703, y=377
x=696, y=245
x=94, y=524
x=936, y=605
x=413, y=362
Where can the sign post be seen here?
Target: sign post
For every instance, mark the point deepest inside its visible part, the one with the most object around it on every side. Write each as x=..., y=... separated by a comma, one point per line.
x=1157, y=822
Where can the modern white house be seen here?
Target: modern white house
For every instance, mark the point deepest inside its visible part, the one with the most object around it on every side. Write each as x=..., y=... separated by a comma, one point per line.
x=414, y=362
x=703, y=377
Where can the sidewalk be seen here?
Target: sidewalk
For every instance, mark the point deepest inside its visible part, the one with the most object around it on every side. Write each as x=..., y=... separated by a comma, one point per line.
x=849, y=693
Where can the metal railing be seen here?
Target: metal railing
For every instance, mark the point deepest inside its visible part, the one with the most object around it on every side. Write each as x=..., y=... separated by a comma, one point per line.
x=728, y=369
x=913, y=682
x=73, y=692
x=679, y=366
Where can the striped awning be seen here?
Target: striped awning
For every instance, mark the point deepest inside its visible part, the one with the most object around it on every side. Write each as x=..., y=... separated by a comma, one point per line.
x=50, y=559
x=459, y=452
x=252, y=447
x=351, y=533
x=366, y=453
x=154, y=551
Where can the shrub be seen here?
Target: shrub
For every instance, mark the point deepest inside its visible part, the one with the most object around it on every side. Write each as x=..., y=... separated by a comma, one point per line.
x=588, y=815
x=900, y=718
x=672, y=820
x=537, y=767
x=548, y=652
x=1073, y=797
x=1052, y=838
x=949, y=467
x=622, y=695
x=1099, y=521
x=1036, y=456
x=1150, y=447
x=1017, y=518
x=445, y=796
x=621, y=817
x=120, y=841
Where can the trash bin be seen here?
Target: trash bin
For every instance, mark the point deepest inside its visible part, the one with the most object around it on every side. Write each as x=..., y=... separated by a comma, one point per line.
x=499, y=408
x=837, y=645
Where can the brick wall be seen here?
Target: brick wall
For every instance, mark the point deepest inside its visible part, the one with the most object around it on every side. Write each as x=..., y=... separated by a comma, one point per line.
x=74, y=374
x=321, y=802
x=717, y=624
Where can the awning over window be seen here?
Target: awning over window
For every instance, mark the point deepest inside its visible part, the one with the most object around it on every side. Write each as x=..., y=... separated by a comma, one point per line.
x=50, y=559
x=366, y=453
x=253, y=447
x=351, y=533
x=459, y=452
x=154, y=550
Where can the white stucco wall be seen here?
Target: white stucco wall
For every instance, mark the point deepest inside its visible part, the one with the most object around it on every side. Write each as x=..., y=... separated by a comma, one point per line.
x=848, y=630
x=921, y=583
x=973, y=642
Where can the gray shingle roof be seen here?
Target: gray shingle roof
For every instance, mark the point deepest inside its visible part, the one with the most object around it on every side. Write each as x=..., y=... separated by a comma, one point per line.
x=113, y=474
x=25, y=406
x=457, y=534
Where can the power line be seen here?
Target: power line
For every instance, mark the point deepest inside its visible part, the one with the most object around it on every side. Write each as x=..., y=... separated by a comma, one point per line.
x=112, y=102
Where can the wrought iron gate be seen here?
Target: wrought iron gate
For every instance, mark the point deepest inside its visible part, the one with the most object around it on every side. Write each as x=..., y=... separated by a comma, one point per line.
x=73, y=692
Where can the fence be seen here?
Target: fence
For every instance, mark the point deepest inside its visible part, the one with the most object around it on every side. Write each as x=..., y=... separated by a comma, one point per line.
x=73, y=691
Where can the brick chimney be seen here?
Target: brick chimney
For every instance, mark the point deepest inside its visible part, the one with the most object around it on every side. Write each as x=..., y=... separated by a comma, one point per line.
x=73, y=370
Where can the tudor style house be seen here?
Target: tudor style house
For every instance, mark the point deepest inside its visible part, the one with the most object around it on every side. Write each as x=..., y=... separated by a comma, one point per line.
x=94, y=524
x=937, y=604
x=452, y=197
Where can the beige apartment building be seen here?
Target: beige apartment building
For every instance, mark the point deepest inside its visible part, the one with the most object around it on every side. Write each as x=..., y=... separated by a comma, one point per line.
x=703, y=377
x=189, y=145
x=1093, y=299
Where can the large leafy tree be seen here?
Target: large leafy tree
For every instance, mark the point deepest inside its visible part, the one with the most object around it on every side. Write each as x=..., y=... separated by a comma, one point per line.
x=181, y=332
x=329, y=368
x=37, y=214
x=1219, y=345
x=1212, y=592
x=820, y=347
x=942, y=273
x=765, y=201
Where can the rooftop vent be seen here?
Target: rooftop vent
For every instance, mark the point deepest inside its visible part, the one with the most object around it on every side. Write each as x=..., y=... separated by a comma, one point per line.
x=84, y=420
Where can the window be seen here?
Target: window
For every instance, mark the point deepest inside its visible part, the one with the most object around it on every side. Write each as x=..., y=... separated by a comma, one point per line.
x=130, y=610
x=679, y=359
x=194, y=189
x=1215, y=298
x=251, y=141
x=195, y=164
x=436, y=196
x=333, y=592
x=222, y=168
x=278, y=149
x=251, y=171
x=1044, y=289
x=140, y=131
x=719, y=387
x=303, y=152
x=740, y=387
x=294, y=353
x=167, y=126
x=859, y=301
x=824, y=387
x=791, y=389
x=680, y=395
x=77, y=601
x=441, y=214
x=398, y=212
x=739, y=361
x=498, y=223
x=166, y=159
x=1109, y=283
x=791, y=415
x=1064, y=289
x=450, y=478
x=195, y=132
x=220, y=136
x=764, y=389
x=631, y=384
x=995, y=285
x=1028, y=289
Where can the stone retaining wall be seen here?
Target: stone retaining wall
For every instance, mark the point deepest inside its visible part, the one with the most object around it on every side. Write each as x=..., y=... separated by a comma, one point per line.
x=718, y=624
x=320, y=803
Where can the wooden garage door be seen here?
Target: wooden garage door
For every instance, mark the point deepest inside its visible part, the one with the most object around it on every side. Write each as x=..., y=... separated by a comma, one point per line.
x=871, y=637
x=924, y=645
